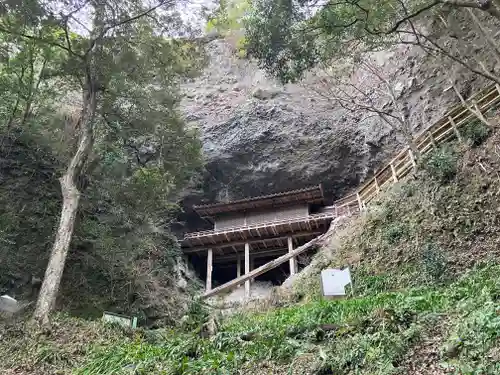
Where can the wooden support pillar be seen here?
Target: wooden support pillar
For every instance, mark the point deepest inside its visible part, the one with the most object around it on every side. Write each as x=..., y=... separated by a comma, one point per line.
x=209, y=270
x=498, y=88
x=433, y=140
x=252, y=267
x=455, y=129
x=376, y=184
x=412, y=158
x=336, y=211
x=247, y=269
x=293, y=261
x=394, y=174
x=479, y=114
x=238, y=265
x=359, y=202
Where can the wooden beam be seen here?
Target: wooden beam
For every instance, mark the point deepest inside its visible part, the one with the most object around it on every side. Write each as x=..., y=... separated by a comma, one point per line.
x=268, y=266
x=209, y=270
x=278, y=251
x=247, y=271
x=293, y=261
x=455, y=129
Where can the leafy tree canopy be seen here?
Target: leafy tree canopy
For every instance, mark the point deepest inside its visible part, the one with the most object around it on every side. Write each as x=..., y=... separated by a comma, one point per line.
x=290, y=36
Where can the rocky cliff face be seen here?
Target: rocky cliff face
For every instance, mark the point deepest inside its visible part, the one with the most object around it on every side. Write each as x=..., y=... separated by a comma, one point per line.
x=262, y=137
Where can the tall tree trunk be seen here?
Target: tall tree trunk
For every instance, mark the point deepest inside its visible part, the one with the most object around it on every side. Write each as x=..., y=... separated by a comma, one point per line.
x=71, y=197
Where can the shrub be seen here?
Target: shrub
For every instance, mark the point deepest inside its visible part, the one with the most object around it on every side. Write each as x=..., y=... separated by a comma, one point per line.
x=394, y=232
x=441, y=164
x=476, y=132
x=434, y=262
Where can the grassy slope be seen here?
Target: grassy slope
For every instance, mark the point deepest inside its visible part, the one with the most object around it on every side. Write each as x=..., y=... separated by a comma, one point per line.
x=369, y=335
x=427, y=298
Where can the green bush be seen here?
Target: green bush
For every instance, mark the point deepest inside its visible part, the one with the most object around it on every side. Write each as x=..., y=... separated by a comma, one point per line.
x=476, y=132
x=434, y=262
x=395, y=232
x=441, y=164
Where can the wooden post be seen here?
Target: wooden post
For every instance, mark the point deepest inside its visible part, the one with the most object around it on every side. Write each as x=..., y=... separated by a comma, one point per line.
x=247, y=269
x=252, y=267
x=209, y=270
x=433, y=140
x=336, y=212
x=359, y=202
x=498, y=88
x=455, y=129
x=394, y=174
x=412, y=158
x=293, y=261
x=480, y=115
x=376, y=184
x=238, y=265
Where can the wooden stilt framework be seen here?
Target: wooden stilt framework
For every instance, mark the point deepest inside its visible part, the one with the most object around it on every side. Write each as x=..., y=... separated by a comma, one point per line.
x=268, y=266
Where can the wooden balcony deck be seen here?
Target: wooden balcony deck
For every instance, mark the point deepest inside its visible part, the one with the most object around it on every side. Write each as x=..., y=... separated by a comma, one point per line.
x=266, y=235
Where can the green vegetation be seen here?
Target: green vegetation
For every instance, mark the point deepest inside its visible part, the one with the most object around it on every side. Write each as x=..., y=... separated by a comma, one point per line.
x=476, y=132
x=425, y=270
x=100, y=108
x=289, y=38
x=441, y=164
x=228, y=21
x=364, y=335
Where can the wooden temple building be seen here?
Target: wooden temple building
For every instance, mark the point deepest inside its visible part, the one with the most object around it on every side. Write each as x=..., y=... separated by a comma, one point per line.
x=253, y=231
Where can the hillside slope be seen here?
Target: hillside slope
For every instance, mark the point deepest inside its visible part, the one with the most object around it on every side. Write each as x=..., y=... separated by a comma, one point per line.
x=426, y=297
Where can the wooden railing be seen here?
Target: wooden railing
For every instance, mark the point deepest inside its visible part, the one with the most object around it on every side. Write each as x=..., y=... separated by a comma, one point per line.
x=448, y=127
x=323, y=215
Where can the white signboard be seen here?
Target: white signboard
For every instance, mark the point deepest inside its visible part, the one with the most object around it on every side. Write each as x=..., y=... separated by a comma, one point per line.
x=333, y=282
x=8, y=304
x=125, y=321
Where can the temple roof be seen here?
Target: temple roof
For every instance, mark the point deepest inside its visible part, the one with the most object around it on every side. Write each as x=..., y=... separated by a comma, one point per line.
x=312, y=194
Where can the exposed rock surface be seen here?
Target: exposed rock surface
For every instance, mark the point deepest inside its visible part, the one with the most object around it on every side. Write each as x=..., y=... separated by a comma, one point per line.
x=262, y=137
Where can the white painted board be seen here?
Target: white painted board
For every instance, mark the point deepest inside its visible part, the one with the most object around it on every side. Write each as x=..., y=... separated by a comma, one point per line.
x=122, y=320
x=8, y=304
x=334, y=281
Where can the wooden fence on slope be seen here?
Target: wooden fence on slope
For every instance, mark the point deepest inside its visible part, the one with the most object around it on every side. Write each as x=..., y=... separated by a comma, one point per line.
x=447, y=128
